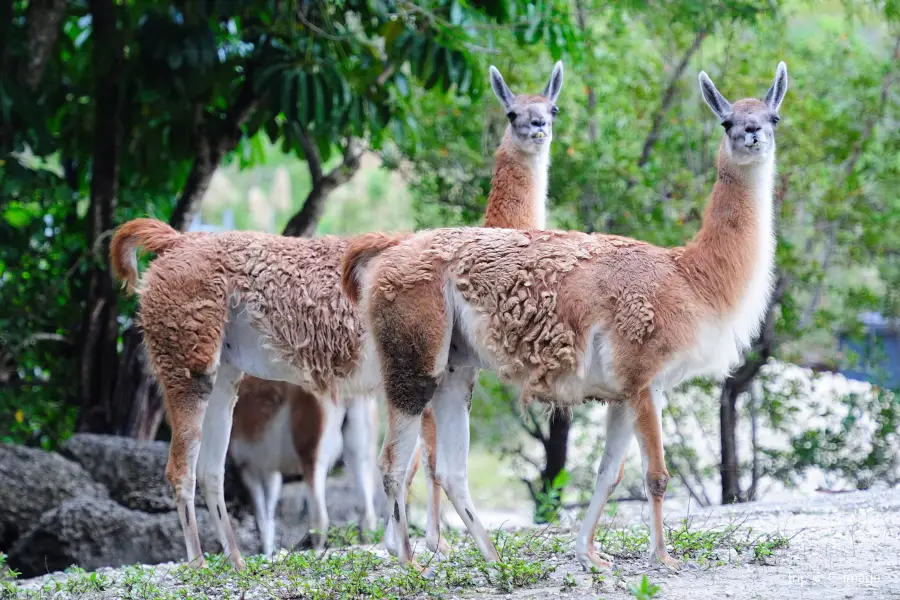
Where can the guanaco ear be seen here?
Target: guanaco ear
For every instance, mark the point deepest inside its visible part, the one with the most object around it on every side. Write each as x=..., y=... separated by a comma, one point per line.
x=716, y=101
x=506, y=97
x=776, y=93
x=554, y=86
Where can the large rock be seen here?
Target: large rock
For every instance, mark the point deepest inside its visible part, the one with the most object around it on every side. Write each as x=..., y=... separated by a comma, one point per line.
x=94, y=533
x=33, y=481
x=134, y=471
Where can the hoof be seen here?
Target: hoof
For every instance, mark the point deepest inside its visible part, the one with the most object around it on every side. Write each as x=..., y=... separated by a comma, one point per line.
x=237, y=562
x=592, y=560
x=671, y=564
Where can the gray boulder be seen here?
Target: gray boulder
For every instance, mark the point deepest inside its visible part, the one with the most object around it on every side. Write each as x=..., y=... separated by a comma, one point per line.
x=94, y=533
x=33, y=481
x=134, y=471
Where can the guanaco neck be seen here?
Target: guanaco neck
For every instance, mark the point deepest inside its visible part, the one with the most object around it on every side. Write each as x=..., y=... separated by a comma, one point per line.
x=518, y=194
x=731, y=259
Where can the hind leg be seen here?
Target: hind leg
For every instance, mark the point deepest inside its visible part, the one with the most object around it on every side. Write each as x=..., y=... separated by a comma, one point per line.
x=254, y=484
x=272, y=485
x=211, y=468
x=390, y=542
x=185, y=398
x=433, y=491
x=619, y=431
x=396, y=452
x=451, y=415
x=359, y=448
x=316, y=470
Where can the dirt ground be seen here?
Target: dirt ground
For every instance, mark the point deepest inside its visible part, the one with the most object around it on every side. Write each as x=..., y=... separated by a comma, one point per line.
x=842, y=546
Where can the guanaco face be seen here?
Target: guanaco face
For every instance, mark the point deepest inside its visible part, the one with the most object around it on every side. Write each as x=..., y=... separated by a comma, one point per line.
x=749, y=124
x=530, y=116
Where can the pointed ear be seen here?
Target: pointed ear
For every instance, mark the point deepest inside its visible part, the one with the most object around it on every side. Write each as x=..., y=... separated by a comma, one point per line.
x=554, y=86
x=776, y=93
x=506, y=97
x=716, y=101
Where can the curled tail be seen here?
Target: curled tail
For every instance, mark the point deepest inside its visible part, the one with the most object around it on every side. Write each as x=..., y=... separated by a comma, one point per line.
x=361, y=250
x=150, y=234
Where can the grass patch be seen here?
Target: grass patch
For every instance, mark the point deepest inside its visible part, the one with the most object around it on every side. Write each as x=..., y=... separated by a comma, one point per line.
x=702, y=545
x=345, y=573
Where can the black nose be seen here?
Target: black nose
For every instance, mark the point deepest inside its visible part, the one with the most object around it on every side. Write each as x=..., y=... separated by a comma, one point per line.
x=752, y=128
x=538, y=122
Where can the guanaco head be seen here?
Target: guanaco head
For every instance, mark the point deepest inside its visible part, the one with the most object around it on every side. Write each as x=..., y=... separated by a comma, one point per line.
x=749, y=124
x=530, y=116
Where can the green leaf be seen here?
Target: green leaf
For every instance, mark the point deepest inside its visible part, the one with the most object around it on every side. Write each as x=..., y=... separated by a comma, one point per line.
x=17, y=216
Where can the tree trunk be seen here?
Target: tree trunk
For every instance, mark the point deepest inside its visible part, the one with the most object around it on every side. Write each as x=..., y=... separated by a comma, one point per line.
x=731, y=485
x=44, y=18
x=734, y=386
x=139, y=404
x=100, y=328
x=556, y=449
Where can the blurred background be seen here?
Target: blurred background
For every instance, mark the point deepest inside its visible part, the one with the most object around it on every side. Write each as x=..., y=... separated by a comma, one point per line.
x=309, y=117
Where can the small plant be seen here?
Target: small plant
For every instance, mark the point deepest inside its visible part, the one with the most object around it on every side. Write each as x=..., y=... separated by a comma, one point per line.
x=644, y=590
x=766, y=548
x=548, y=500
x=598, y=578
x=569, y=582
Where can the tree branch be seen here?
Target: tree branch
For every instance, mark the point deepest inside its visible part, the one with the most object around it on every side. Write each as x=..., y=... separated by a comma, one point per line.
x=303, y=224
x=668, y=98
x=210, y=148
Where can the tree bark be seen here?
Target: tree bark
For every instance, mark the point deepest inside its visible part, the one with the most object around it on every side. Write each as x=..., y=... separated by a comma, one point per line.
x=100, y=328
x=556, y=448
x=138, y=402
x=44, y=18
x=731, y=486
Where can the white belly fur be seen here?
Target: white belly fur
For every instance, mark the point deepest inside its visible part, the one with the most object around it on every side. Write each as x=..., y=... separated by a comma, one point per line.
x=245, y=348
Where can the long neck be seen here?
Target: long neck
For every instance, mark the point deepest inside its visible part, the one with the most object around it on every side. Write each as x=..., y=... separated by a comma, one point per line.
x=518, y=194
x=730, y=260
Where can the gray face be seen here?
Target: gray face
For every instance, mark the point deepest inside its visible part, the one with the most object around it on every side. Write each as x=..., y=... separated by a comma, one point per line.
x=750, y=130
x=749, y=124
x=530, y=116
x=531, y=122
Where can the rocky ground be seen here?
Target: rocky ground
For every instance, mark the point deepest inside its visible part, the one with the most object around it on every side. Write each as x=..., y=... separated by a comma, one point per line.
x=826, y=546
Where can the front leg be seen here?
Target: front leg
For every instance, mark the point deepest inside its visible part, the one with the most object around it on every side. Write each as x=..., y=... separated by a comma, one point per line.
x=647, y=407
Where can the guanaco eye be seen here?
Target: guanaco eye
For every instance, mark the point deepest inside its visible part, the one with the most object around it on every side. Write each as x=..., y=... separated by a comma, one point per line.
x=554, y=111
x=511, y=115
x=727, y=125
x=775, y=119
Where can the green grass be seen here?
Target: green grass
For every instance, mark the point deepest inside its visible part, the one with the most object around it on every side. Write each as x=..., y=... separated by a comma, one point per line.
x=528, y=558
x=344, y=573
x=703, y=546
